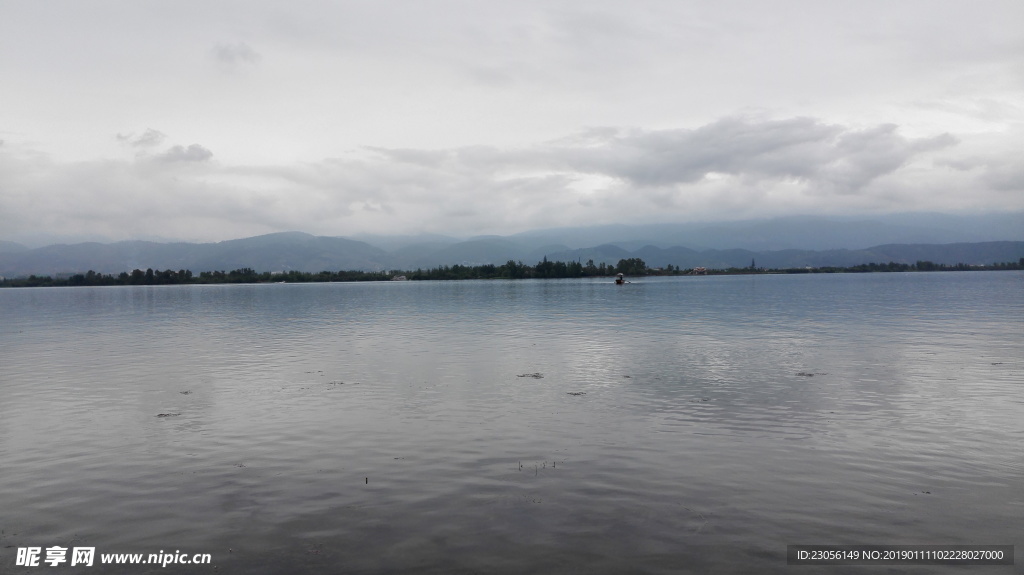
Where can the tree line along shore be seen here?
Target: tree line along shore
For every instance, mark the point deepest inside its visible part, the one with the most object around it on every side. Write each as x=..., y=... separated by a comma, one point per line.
x=632, y=267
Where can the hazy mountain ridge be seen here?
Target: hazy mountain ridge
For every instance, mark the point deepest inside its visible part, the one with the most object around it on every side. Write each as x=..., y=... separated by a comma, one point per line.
x=305, y=252
x=796, y=232
x=12, y=247
x=272, y=252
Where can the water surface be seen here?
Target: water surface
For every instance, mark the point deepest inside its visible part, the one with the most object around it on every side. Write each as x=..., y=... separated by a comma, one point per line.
x=671, y=425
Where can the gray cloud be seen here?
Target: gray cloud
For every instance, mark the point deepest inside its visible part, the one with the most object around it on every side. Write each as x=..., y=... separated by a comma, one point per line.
x=728, y=169
x=826, y=158
x=829, y=157
x=147, y=139
x=193, y=153
x=731, y=146
x=237, y=54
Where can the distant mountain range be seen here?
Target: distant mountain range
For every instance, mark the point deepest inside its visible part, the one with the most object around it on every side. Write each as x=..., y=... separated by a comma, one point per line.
x=778, y=243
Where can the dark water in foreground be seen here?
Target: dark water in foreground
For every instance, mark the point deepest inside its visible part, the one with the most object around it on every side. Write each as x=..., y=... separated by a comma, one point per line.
x=667, y=426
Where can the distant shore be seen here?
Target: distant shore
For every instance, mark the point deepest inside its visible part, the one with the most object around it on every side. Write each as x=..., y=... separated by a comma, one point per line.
x=633, y=267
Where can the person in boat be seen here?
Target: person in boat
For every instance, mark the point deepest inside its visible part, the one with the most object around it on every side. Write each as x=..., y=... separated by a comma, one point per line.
x=619, y=280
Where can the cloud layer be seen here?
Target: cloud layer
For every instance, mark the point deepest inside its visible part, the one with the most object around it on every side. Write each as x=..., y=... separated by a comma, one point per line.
x=737, y=167
x=206, y=121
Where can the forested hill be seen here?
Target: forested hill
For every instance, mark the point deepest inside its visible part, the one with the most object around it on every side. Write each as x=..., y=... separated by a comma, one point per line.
x=295, y=251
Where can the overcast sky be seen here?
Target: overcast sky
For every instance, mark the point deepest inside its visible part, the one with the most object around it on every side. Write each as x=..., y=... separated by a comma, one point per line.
x=208, y=120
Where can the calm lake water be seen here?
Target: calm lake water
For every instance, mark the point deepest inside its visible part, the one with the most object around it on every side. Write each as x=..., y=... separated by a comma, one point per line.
x=673, y=425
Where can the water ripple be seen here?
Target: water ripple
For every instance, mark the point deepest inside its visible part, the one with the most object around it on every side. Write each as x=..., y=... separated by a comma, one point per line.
x=514, y=426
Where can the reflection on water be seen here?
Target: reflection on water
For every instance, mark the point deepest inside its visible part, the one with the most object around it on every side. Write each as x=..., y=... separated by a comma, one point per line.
x=671, y=425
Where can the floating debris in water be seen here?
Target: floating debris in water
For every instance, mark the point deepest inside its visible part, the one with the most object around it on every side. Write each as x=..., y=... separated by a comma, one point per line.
x=807, y=374
x=168, y=414
x=533, y=375
x=184, y=392
x=577, y=393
